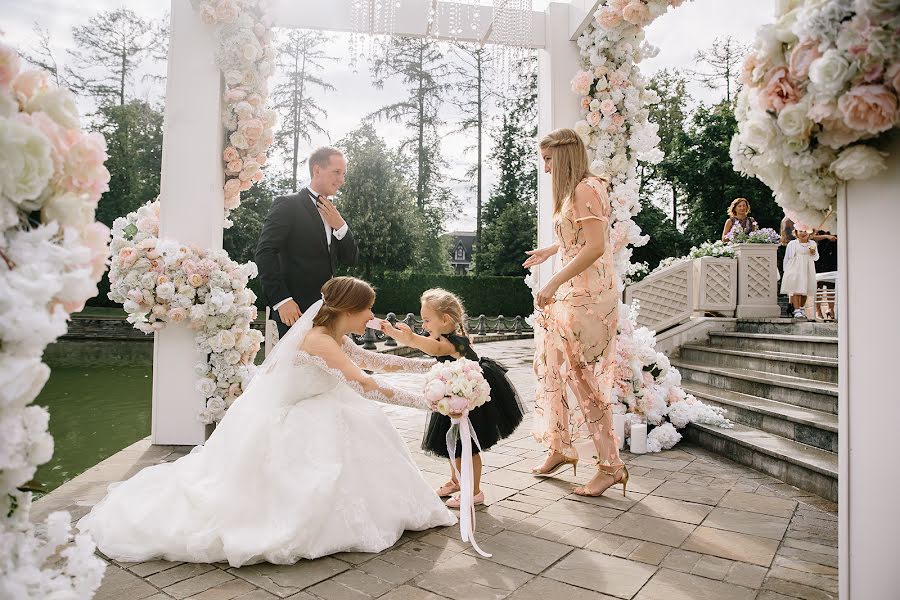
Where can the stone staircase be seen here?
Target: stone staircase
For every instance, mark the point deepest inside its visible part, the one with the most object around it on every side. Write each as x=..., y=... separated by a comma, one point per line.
x=777, y=381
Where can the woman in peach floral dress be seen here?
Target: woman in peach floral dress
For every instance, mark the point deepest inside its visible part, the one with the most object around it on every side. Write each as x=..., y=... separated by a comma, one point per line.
x=576, y=326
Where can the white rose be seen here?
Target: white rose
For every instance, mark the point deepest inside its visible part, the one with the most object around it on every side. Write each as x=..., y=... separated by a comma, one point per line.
x=582, y=128
x=8, y=105
x=782, y=7
x=793, y=120
x=25, y=163
x=166, y=291
x=758, y=132
x=618, y=164
x=883, y=6
x=68, y=209
x=829, y=72
x=59, y=104
x=784, y=27
x=858, y=162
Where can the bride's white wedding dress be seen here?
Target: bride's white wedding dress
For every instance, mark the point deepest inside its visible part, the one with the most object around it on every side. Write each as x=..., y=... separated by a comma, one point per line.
x=304, y=464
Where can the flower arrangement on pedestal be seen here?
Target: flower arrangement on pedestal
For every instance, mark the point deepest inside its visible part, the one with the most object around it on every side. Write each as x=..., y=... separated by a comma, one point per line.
x=159, y=282
x=820, y=92
x=52, y=254
x=246, y=56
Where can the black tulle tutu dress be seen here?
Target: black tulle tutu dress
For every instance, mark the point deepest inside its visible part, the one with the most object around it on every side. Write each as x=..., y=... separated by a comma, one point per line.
x=493, y=420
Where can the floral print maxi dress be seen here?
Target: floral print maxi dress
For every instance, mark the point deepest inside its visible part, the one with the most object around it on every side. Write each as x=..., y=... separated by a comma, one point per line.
x=576, y=342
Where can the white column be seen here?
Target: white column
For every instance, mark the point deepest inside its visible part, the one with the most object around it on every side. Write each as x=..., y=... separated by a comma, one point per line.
x=869, y=405
x=558, y=107
x=191, y=209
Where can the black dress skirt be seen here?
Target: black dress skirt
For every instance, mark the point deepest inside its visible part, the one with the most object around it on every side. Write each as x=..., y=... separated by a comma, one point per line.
x=492, y=421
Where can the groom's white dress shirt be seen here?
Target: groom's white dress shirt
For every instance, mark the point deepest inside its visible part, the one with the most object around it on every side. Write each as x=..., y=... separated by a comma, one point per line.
x=339, y=234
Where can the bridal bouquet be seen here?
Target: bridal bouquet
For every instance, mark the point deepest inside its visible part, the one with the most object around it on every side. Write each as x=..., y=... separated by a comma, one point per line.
x=456, y=387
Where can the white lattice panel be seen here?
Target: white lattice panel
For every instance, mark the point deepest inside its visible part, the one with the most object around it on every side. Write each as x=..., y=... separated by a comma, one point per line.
x=666, y=298
x=715, y=284
x=757, y=280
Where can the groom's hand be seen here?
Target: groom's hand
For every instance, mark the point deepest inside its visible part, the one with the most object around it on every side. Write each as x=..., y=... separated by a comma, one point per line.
x=289, y=312
x=330, y=213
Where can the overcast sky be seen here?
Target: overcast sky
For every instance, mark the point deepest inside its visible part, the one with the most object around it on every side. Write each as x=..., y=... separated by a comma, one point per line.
x=678, y=34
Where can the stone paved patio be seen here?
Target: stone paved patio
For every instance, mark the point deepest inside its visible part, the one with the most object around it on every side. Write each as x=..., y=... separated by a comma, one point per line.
x=693, y=526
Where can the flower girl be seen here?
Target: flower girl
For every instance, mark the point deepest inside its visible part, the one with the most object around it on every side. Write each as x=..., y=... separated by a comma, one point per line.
x=799, y=280
x=443, y=317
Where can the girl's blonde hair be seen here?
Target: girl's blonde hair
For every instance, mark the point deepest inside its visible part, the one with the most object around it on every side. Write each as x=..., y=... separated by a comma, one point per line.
x=570, y=164
x=734, y=204
x=446, y=303
x=342, y=295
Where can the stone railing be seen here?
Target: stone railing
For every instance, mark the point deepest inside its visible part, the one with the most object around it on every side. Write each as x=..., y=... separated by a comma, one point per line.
x=745, y=286
x=480, y=325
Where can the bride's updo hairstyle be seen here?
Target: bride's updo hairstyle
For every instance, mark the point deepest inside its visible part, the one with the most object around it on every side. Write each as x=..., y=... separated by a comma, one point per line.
x=343, y=295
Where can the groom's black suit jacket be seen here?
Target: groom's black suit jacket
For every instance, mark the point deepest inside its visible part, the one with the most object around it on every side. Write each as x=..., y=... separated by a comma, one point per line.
x=293, y=255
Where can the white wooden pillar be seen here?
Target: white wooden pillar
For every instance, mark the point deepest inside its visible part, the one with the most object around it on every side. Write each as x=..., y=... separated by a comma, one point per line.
x=191, y=209
x=869, y=403
x=558, y=106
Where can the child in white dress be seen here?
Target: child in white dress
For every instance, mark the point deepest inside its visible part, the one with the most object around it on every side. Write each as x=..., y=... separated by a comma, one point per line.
x=799, y=280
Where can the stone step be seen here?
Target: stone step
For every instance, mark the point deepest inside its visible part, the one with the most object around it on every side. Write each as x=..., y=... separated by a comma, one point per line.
x=807, y=393
x=787, y=326
x=797, y=464
x=767, y=361
x=809, y=345
x=804, y=425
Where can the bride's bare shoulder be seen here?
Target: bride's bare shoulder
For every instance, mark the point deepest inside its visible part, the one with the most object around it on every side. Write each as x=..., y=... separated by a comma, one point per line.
x=318, y=343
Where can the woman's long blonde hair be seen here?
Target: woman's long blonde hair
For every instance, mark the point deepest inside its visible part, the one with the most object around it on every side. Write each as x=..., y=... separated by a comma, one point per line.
x=570, y=164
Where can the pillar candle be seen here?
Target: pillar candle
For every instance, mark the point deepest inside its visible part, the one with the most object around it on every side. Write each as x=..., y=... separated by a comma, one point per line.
x=638, y=438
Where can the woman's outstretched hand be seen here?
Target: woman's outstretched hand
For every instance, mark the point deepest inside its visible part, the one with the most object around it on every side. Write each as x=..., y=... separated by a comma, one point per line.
x=536, y=257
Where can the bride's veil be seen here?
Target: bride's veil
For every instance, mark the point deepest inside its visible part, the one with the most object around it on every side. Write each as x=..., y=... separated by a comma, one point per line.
x=282, y=356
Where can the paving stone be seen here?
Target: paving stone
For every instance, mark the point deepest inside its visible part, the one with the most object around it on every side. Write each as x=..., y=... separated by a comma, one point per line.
x=227, y=591
x=751, y=576
x=145, y=569
x=284, y=580
x=612, y=498
x=747, y=522
x=118, y=583
x=797, y=590
x=643, y=485
x=200, y=583
x=804, y=566
x=735, y=546
x=650, y=529
x=674, y=510
x=578, y=513
x=689, y=493
x=465, y=577
x=829, y=560
x=661, y=463
x=522, y=552
x=171, y=576
x=712, y=567
x=406, y=592
x=627, y=547
x=681, y=560
x=650, y=553
x=777, y=507
x=607, y=543
x=601, y=573
x=827, y=583
x=672, y=585
x=387, y=571
x=541, y=588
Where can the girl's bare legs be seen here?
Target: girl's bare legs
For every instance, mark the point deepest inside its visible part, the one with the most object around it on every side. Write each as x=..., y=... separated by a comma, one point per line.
x=476, y=471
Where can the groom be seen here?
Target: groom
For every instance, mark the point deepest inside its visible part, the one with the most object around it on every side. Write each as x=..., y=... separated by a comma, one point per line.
x=303, y=240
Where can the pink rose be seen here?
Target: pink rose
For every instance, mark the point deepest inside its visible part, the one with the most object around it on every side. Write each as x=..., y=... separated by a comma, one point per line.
x=162, y=279
x=249, y=170
x=636, y=13
x=234, y=166
x=586, y=102
x=208, y=15
x=581, y=83
x=261, y=158
x=255, y=100
x=618, y=120
x=148, y=225
x=821, y=111
x=593, y=118
x=252, y=129
x=196, y=280
x=609, y=18
x=227, y=11
x=234, y=389
x=607, y=107
x=135, y=296
x=801, y=57
x=127, y=256
x=9, y=65
x=232, y=202
x=835, y=134
x=892, y=76
x=96, y=238
x=232, y=186
x=61, y=139
x=676, y=3
x=458, y=404
x=177, y=314
x=235, y=95
x=83, y=169
x=189, y=266
x=29, y=84
x=258, y=176
x=147, y=244
x=246, y=185
x=778, y=91
x=869, y=108
x=230, y=154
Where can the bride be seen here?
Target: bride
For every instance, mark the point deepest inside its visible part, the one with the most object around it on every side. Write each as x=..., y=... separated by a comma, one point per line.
x=303, y=464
